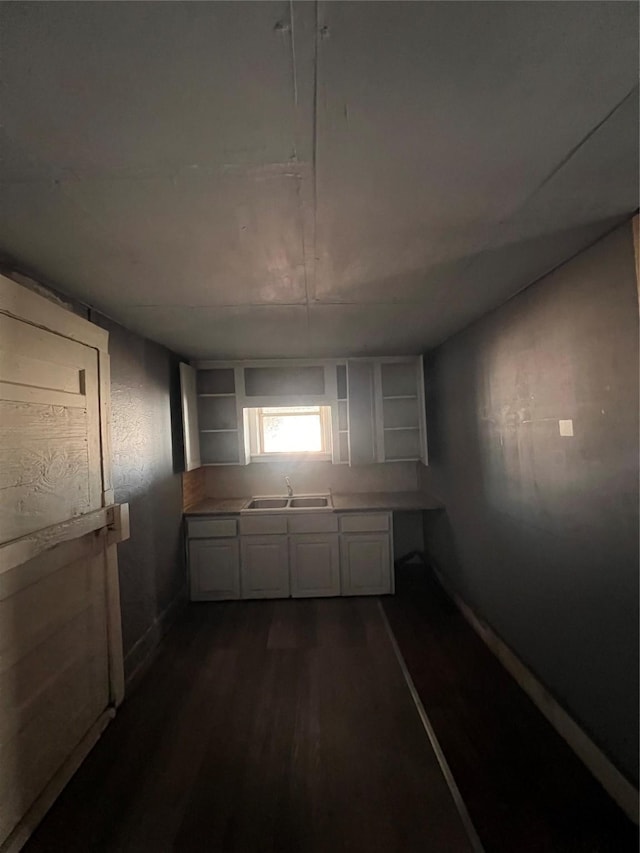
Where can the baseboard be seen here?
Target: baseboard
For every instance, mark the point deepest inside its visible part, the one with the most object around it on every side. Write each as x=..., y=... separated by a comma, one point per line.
x=142, y=653
x=612, y=780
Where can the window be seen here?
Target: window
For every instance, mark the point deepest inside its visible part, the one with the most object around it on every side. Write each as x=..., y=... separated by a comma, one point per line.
x=276, y=431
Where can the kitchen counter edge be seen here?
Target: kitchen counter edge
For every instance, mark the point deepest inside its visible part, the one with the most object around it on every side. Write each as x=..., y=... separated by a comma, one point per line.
x=355, y=502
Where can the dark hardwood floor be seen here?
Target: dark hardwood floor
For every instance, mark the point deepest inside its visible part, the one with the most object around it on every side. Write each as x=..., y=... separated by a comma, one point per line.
x=263, y=726
x=525, y=790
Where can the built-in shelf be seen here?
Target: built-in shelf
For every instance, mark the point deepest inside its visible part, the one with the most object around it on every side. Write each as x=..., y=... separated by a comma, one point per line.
x=377, y=406
x=341, y=379
x=401, y=443
x=217, y=395
x=216, y=381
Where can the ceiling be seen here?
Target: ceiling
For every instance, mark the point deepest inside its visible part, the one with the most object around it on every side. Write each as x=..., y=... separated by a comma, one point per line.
x=274, y=179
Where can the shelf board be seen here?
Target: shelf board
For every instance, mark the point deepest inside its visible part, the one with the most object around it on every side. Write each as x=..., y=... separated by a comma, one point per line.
x=216, y=395
x=401, y=459
x=218, y=430
x=397, y=429
x=401, y=397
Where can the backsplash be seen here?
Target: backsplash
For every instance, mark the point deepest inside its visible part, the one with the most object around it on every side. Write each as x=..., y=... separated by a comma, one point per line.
x=193, y=487
x=267, y=478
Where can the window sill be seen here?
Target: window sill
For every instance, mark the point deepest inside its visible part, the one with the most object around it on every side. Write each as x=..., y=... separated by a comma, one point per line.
x=291, y=457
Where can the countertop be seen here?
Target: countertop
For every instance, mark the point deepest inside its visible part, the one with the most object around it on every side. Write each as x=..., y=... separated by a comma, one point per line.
x=398, y=501
x=385, y=500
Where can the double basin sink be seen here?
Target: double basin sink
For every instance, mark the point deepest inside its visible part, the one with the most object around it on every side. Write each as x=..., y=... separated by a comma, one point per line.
x=286, y=503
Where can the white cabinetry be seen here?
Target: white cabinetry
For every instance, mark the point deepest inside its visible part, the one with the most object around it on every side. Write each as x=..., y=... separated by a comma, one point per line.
x=386, y=410
x=214, y=569
x=366, y=563
x=190, y=428
x=315, y=565
x=277, y=555
x=264, y=566
x=378, y=407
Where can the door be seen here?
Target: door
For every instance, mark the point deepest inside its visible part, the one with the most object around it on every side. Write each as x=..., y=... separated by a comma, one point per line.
x=365, y=559
x=60, y=646
x=214, y=568
x=190, y=427
x=264, y=567
x=314, y=560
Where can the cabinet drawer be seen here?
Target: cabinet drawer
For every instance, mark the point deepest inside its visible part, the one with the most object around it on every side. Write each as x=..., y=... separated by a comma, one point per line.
x=261, y=524
x=364, y=523
x=313, y=523
x=211, y=528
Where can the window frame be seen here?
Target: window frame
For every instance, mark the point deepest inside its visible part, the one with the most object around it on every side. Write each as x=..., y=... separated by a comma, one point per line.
x=254, y=416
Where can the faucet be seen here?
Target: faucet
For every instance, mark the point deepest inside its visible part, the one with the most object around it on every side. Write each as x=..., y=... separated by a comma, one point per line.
x=289, y=487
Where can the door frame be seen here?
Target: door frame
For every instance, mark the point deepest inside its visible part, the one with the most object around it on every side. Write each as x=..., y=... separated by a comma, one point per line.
x=111, y=523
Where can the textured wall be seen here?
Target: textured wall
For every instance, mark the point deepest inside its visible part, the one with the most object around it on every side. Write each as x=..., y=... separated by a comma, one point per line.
x=541, y=531
x=145, y=434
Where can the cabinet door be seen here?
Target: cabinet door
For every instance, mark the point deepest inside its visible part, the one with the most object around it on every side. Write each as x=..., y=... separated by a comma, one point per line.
x=265, y=566
x=315, y=565
x=214, y=569
x=365, y=560
x=190, y=428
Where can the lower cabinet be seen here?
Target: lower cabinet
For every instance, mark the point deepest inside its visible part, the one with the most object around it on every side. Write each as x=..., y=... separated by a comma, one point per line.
x=264, y=566
x=277, y=556
x=314, y=561
x=214, y=569
x=365, y=559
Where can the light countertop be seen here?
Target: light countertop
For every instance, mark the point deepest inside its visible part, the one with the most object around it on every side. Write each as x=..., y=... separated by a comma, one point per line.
x=385, y=500
x=394, y=501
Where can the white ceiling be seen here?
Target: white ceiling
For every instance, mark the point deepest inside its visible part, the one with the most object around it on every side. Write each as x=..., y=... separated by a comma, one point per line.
x=274, y=179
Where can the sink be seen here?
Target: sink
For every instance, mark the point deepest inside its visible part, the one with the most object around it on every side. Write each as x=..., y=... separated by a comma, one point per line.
x=281, y=502
x=268, y=503
x=299, y=503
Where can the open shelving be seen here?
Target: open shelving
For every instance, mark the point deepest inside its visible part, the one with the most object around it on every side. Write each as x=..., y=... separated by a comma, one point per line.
x=400, y=412
x=343, y=415
x=218, y=417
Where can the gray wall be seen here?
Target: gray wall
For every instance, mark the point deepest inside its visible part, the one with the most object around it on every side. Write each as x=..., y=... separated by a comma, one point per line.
x=540, y=536
x=145, y=402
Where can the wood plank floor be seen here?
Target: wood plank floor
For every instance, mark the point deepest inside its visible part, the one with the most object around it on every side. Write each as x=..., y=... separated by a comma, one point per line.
x=263, y=726
x=525, y=790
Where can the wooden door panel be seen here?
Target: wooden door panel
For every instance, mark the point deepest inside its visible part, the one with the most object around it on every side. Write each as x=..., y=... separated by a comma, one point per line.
x=60, y=642
x=50, y=467
x=54, y=679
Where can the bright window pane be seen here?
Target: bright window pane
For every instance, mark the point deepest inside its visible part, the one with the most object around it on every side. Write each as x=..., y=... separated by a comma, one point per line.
x=277, y=410
x=291, y=433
